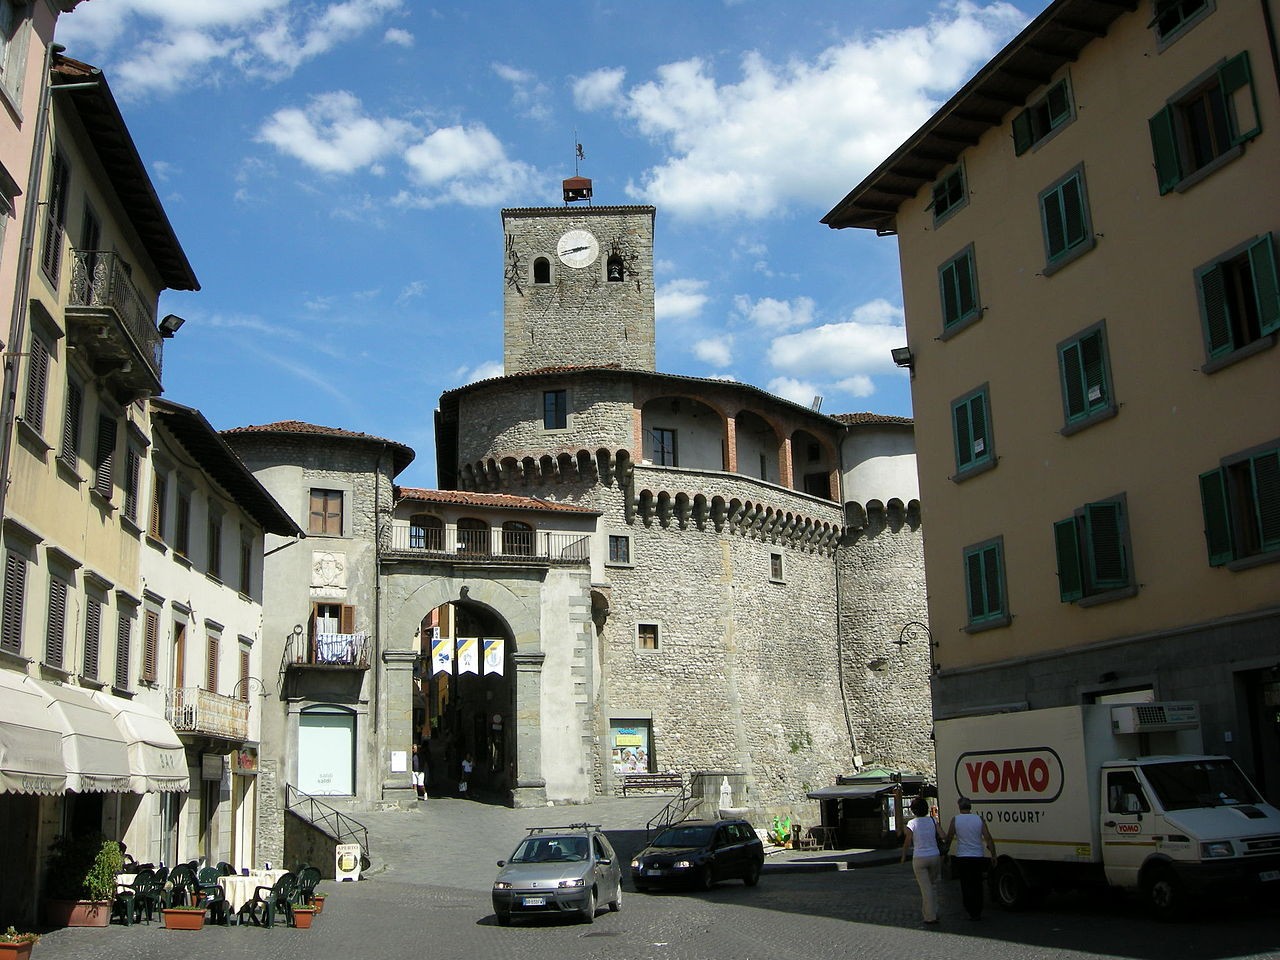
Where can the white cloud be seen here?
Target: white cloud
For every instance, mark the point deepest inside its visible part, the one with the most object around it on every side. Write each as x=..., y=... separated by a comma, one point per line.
x=411, y=291
x=528, y=95
x=467, y=165
x=797, y=391
x=717, y=352
x=484, y=371
x=802, y=131
x=332, y=135
x=680, y=299
x=398, y=37
x=843, y=351
x=775, y=315
x=338, y=22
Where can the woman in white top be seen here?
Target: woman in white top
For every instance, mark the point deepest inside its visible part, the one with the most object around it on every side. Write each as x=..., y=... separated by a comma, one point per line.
x=921, y=840
x=971, y=854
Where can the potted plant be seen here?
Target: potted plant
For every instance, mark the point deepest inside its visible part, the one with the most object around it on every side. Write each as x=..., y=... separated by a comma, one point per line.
x=183, y=918
x=303, y=916
x=317, y=901
x=80, y=882
x=17, y=946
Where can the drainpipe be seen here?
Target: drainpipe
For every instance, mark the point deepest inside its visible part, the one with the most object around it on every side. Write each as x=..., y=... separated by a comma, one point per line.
x=376, y=653
x=835, y=559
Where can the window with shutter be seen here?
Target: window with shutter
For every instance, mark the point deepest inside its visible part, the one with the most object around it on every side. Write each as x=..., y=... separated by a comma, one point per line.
x=243, y=685
x=104, y=458
x=1173, y=17
x=182, y=523
x=150, y=646
x=92, y=635
x=971, y=424
x=1239, y=298
x=958, y=284
x=214, y=543
x=1085, y=374
x=71, y=417
x=124, y=640
x=15, y=593
x=326, y=513
x=347, y=622
x=949, y=194
x=1043, y=117
x=37, y=384
x=1241, y=504
x=132, y=482
x=647, y=636
x=246, y=562
x=211, y=662
x=984, y=582
x=56, y=633
x=1093, y=552
x=159, y=500
x=1064, y=215
x=55, y=217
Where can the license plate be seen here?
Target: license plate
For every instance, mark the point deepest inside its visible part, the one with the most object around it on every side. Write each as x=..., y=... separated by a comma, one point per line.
x=534, y=901
x=1269, y=875
x=654, y=872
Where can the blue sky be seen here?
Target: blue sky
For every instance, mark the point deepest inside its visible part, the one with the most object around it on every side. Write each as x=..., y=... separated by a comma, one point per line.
x=335, y=172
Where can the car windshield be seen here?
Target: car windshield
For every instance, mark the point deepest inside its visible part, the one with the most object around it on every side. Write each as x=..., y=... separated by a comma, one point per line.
x=684, y=837
x=551, y=850
x=1188, y=784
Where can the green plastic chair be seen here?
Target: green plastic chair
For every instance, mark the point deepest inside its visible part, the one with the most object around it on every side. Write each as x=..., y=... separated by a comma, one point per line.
x=267, y=901
x=210, y=895
x=308, y=877
x=126, y=903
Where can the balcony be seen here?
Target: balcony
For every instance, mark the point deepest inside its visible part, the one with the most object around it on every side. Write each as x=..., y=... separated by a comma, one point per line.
x=328, y=651
x=115, y=326
x=490, y=544
x=196, y=710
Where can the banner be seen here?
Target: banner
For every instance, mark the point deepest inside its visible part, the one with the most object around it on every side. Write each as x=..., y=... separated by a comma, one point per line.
x=441, y=655
x=468, y=655
x=494, y=655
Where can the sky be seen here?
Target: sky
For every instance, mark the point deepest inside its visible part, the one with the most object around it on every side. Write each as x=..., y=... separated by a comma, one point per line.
x=335, y=171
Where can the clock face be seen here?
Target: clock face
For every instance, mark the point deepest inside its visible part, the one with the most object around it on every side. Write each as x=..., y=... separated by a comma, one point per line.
x=578, y=248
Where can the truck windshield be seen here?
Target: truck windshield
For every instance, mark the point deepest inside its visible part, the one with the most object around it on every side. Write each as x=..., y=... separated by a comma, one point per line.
x=1186, y=784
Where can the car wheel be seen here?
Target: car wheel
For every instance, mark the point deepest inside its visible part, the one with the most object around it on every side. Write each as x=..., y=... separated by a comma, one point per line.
x=504, y=919
x=616, y=903
x=752, y=876
x=1008, y=888
x=1164, y=893
x=704, y=878
x=589, y=909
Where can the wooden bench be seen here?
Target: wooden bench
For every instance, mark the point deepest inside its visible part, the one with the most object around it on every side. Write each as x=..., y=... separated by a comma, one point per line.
x=651, y=781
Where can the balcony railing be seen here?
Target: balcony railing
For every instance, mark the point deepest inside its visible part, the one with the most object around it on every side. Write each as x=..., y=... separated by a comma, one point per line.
x=100, y=281
x=491, y=543
x=196, y=710
x=349, y=650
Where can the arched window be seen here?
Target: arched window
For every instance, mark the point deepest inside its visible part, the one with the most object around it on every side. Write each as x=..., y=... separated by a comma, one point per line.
x=517, y=539
x=426, y=532
x=615, y=270
x=541, y=270
x=473, y=536
x=327, y=751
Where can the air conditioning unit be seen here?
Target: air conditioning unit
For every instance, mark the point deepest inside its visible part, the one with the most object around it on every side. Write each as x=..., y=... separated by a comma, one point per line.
x=1155, y=717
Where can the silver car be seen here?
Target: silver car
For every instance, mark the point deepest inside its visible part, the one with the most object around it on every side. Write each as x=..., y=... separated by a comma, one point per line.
x=558, y=870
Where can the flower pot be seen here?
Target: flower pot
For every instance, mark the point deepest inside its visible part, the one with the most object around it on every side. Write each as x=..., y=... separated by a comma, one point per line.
x=303, y=916
x=77, y=913
x=318, y=902
x=16, y=951
x=183, y=919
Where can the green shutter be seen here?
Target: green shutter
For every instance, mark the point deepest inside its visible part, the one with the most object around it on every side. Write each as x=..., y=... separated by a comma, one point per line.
x=978, y=419
x=1070, y=578
x=991, y=575
x=1164, y=147
x=1217, y=517
x=1073, y=211
x=964, y=437
x=950, y=298
x=1073, y=381
x=1055, y=234
x=1266, y=499
x=1266, y=287
x=1058, y=104
x=1217, y=321
x=1022, y=135
x=964, y=286
x=1094, y=367
x=973, y=575
x=1234, y=76
x=1104, y=522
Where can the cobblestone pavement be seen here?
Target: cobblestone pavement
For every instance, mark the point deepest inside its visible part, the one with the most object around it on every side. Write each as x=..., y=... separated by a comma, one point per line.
x=427, y=896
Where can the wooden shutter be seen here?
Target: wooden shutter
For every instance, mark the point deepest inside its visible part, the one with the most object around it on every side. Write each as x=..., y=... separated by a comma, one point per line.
x=1164, y=148
x=1217, y=517
x=1073, y=381
x=1023, y=137
x=92, y=636
x=964, y=435
x=37, y=384
x=211, y=663
x=1266, y=285
x=977, y=596
x=1055, y=232
x=1236, y=81
x=1094, y=370
x=992, y=579
x=55, y=217
x=15, y=589
x=104, y=457
x=132, y=481
x=70, y=454
x=244, y=674
x=159, y=494
x=55, y=637
x=150, y=646
x=1104, y=522
x=124, y=634
x=1067, y=545
x=1266, y=498
x=347, y=622
x=1216, y=316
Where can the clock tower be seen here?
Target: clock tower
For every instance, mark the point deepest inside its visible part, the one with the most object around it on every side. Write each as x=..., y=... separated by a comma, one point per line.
x=578, y=285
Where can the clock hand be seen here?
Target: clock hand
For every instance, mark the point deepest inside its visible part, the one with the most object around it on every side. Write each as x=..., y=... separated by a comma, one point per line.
x=576, y=249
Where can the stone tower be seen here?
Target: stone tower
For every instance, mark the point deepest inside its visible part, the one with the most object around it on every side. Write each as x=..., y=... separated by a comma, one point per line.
x=578, y=285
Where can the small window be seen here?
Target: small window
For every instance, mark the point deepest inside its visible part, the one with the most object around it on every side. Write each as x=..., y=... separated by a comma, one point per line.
x=1239, y=298
x=55, y=217
x=1046, y=115
x=150, y=646
x=1172, y=17
x=132, y=482
x=326, y=513
x=984, y=585
x=13, y=46
x=1085, y=379
x=37, y=384
x=971, y=422
x=182, y=523
x=92, y=636
x=1064, y=212
x=72, y=417
x=775, y=567
x=104, y=458
x=555, y=409
x=1241, y=503
x=647, y=636
x=1093, y=552
x=242, y=685
x=619, y=549
x=949, y=195
x=517, y=539
x=159, y=502
x=214, y=543
x=1205, y=124
x=541, y=270
x=124, y=638
x=958, y=281
x=56, y=632
x=15, y=591
x=212, y=656
x=664, y=447
x=246, y=561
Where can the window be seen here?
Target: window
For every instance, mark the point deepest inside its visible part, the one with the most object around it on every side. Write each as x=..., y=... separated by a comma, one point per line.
x=473, y=536
x=664, y=447
x=555, y=409
x=159, y=500
x=326, y=751
x=541, y=270
x=1172, y=17
x=179, y=675
x=984, y=585
x=15, y=592
x=243, y=683
x=104, y=458
x=150, y=645
x=326, y=513
x=92, y=635
x=55, y=216
x=214, y=543
x=818, y=485
x=1043, y=117
x=1086, y=379
x=1205, y=124
x=72, y=415
x=426, y=532
x=1064, y=213
x=212, y=652
x=1093, y=553
x=619, y=549
x=775, y=567
x=37, y=383
x=971, y=420
x=1239, y=297
x=132, y=482
x=182, y=523
x=949, y=195
x=517, y=539
x=13, y=45
x=124, y=637
x=647, y=636
x=615, y=269
x=958, y=282
x=246, y=561
x=56, y=634
x=1241, y=503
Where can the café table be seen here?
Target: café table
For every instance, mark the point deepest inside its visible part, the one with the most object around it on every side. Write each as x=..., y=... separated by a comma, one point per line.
x=239, y=888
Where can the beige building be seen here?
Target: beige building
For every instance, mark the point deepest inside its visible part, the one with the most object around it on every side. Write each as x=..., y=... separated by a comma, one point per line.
x=1088, y=239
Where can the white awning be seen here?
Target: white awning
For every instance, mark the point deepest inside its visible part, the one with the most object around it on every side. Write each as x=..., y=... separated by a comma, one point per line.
x=157, y=760
x=30, y=739
x=93, y=750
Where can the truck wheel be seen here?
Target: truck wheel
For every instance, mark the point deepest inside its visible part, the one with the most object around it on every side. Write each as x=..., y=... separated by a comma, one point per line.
x=1008, y=888
x=1165, y=894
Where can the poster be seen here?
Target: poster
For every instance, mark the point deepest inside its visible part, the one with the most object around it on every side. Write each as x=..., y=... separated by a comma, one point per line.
x=630, y=747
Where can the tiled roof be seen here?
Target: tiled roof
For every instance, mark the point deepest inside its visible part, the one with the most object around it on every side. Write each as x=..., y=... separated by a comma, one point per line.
x=404, y=454
x=855, y=419
x=465, y=498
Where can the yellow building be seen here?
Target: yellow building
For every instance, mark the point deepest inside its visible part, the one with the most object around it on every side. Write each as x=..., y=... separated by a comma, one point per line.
x=1088, y=234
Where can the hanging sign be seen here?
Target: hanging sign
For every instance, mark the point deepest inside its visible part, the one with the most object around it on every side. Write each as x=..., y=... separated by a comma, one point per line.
x=441, y=655
x=468, y=655
x=494, y=650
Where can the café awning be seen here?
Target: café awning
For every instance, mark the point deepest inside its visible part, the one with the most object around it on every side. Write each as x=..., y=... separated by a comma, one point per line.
x=30, y=739
x=94, y=753
x=157, y=760
x=860, y=791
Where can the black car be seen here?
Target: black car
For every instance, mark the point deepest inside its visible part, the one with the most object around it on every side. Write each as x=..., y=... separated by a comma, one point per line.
x=700, y=852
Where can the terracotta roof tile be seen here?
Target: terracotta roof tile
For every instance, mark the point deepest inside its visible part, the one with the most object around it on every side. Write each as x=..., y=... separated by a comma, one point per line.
x=404, y=454
x=466, y=498
x=854, y=419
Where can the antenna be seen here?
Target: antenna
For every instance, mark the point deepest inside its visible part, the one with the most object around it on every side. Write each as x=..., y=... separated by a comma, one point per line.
x=577, y=187
x=816, y=405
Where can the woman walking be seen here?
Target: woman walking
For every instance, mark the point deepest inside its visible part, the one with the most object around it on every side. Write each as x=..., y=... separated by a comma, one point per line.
x=921, y=841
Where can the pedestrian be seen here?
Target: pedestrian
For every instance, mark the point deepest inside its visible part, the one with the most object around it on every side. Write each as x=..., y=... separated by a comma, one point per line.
x=921, y=841
x=419, y=773
x=467, y=766
x=971, y=854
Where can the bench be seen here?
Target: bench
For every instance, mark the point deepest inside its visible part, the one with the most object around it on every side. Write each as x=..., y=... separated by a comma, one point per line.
x=651, y=781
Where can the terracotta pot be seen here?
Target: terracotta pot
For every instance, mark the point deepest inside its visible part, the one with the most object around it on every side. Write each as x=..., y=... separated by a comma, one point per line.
x=183, y=919
x=15, y=951
x=302, y=916
x=318, y=902
x=77, y=913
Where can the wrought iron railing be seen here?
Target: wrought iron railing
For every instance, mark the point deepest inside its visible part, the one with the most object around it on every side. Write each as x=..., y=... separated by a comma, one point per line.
x=335, y=823
x=490, y=542
x=196, y=710
x=328, y=650
x=100, y=278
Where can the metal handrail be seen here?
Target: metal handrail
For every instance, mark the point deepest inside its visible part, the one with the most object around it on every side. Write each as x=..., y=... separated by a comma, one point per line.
x=335, y=823
x=673, y=812
x=493, y=542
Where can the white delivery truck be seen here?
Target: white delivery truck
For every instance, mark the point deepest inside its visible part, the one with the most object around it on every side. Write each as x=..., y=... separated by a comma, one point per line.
x=1119, y=795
